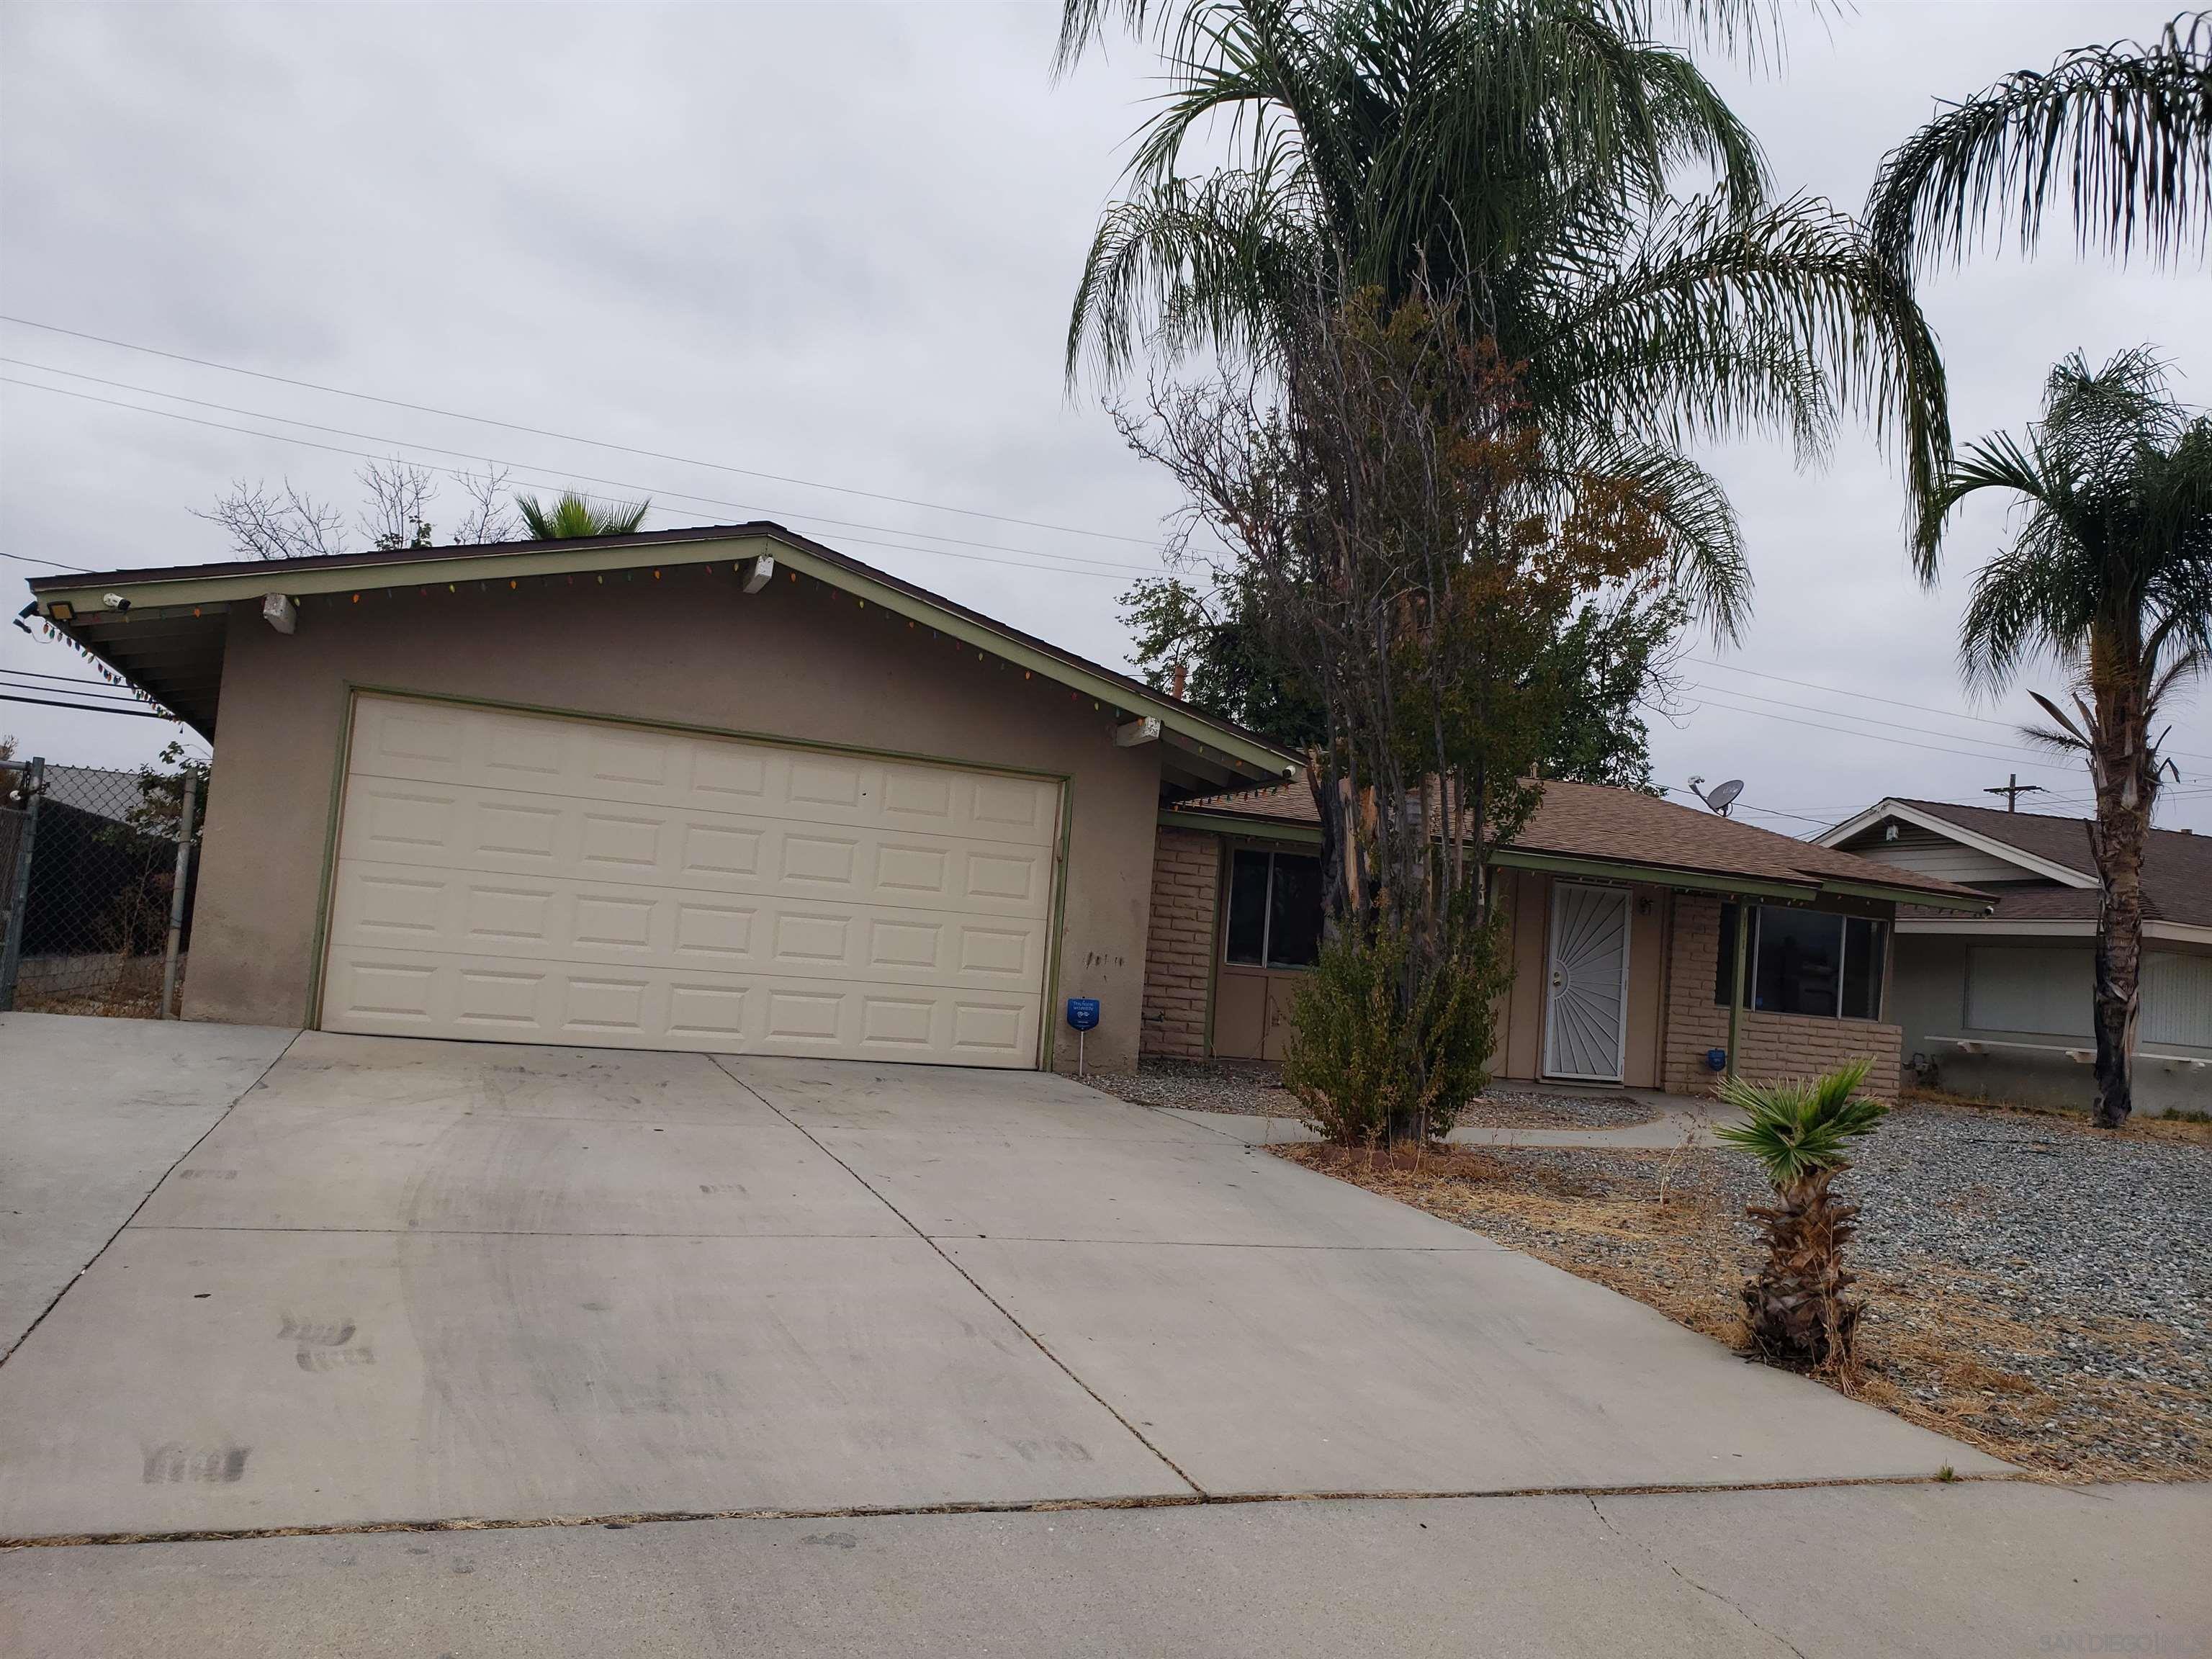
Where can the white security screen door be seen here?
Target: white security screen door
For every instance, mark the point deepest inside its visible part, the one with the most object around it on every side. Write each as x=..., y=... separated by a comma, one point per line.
x=1586, y=1007
x=528, y=878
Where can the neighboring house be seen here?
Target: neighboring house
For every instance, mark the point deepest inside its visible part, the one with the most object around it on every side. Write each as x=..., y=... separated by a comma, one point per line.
x=717, y=789
x=2000, y=1004
x=1622, y=915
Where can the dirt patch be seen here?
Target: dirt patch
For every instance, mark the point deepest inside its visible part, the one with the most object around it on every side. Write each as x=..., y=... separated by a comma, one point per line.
x=2071, y=1391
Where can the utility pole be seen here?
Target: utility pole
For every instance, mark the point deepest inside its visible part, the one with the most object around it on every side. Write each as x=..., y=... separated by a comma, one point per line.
x=2012, y=789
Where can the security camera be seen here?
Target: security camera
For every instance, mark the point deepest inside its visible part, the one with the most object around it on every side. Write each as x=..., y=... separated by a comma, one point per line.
x=115, y=602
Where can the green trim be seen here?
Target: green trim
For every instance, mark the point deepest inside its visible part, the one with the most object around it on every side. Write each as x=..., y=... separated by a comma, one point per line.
x=1875, y=890
x=1250, y=826
x=318, y=963
x=1657, y=875
x=1047, y=1014
x=1210, y=741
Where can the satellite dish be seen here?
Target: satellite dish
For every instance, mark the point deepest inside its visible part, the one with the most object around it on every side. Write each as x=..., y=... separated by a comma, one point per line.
x=1721, y=796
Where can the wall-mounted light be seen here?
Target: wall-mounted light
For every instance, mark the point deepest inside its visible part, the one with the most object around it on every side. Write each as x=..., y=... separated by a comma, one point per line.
x=279, y=612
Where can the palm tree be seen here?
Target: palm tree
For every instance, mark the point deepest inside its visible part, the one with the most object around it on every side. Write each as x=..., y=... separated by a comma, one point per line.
x=574, y=515
x=1519, y=153
x=2109, y=571
x=2124, y=133
x=1794, y=1310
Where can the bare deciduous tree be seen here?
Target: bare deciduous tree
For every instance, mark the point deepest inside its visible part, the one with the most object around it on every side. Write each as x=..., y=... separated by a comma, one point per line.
x=266, y=524
x=398, y=511
x=287, y=524
x=489, y=517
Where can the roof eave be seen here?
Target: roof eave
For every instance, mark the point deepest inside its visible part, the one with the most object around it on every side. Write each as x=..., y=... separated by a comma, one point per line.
x=1237, y=754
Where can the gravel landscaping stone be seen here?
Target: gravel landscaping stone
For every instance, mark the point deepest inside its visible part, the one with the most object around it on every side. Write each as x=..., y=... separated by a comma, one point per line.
x=1253, y=1088
x=2033, y=1286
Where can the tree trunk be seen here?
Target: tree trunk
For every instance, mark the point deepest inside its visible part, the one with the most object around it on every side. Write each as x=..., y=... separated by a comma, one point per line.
x=2118, y=840
x=2126, y=778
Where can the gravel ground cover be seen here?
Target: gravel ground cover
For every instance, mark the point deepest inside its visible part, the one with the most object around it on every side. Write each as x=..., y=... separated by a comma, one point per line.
x=2035, y=1288
x=1254, y=1089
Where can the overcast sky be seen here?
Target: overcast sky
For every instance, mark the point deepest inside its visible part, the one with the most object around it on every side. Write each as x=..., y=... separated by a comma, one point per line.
x=836, y=244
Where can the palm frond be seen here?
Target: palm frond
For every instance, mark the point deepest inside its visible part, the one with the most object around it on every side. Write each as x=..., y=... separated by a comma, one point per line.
x=1799, y=1126
x=1705, y=554
x=574, y=515
x=2123, y=133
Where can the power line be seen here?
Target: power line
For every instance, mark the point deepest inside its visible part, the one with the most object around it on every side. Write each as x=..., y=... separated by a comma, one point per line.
x=1864, y=720
x=470, y=455
x=1902, y=743
x=570, y=437
x=91, y=707
x=1111, y=575
x=1893, y=702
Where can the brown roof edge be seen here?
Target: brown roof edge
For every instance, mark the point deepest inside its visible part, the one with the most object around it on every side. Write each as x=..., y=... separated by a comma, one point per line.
x=1605, y=824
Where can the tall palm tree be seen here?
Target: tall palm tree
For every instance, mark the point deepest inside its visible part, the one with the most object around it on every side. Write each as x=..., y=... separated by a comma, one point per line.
x=2109, y=570
x=575, y=515
x=1521, y=153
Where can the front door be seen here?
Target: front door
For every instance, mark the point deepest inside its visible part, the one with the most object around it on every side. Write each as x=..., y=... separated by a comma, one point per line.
x=1586, y=1007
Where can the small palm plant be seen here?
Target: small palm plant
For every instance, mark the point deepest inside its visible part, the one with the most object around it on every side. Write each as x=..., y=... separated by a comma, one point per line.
x=574, y=515
x=1794, y=1310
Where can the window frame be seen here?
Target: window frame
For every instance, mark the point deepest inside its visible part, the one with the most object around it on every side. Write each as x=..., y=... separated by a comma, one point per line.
x=1266, y=910
x=1878, y=984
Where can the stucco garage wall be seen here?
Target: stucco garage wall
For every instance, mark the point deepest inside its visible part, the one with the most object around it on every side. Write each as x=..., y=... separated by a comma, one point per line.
x=797, y=660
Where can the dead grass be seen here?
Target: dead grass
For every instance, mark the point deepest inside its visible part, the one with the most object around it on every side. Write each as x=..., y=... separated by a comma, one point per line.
x=2194, y=1126
x=1937, y=1345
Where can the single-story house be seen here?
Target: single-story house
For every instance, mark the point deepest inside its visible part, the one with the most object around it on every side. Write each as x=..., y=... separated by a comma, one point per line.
x=714, y=789
x=1999, y=1005
x=1622, y=912
x=727, y=789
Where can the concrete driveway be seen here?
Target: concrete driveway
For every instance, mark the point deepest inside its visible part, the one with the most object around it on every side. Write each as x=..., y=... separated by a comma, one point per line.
x=418, y=1281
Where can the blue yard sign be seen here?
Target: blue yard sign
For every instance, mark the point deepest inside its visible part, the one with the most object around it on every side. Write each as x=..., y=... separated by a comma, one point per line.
x=1083, y=1013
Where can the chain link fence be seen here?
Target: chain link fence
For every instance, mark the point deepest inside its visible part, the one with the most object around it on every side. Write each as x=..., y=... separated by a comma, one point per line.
x=90, y=860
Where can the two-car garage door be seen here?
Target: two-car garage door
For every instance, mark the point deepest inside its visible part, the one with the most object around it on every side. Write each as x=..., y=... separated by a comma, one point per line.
x=528, y=878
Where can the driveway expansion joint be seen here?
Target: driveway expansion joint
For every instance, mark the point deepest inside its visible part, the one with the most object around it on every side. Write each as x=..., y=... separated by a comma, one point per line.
x=1005, y=1313
x=1605, y=1520
x=259, y=1077
x=1193, y=1499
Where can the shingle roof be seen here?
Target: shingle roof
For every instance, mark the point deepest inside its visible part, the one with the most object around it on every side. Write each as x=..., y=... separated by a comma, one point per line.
x=1624, y=826
x=2177, y=865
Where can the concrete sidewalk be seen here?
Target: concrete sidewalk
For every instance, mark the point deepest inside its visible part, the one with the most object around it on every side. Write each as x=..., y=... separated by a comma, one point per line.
x=1965, y=1571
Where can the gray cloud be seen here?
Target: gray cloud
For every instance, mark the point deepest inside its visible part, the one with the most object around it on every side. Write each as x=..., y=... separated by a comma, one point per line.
x=838, y=242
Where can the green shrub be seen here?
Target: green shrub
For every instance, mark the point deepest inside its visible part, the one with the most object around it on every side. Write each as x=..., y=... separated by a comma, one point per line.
x=1382, y=1049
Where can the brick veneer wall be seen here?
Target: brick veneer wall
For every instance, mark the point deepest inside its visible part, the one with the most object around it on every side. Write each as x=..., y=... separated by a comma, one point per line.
x=1774, y=1045
x=1179, y=945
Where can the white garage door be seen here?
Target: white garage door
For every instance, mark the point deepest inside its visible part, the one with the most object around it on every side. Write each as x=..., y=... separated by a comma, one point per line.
x=525, y=879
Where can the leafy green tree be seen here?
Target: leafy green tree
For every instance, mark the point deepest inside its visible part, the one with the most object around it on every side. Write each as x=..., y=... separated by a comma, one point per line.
x=574, y=515
x=2108, y=569
x=1795, y=1311
x=1523, y=153
x=1604, y=665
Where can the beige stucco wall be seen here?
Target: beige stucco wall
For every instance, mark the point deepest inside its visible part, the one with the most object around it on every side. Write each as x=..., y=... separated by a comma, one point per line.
x=798, y=660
